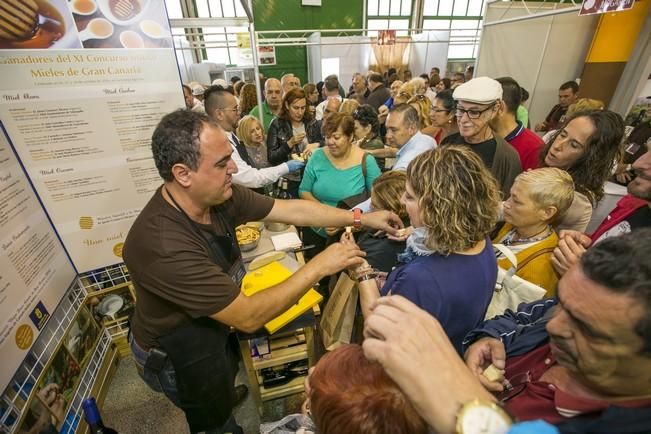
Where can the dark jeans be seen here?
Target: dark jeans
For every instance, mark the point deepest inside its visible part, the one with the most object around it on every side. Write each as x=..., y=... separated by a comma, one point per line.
x=165, y=382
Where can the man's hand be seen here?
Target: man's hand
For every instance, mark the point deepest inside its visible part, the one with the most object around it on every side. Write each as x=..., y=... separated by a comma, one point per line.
x=480, y=355
x=570, y=248
x=383, y=220
x=414, y=350
x=542, y=126
x=337, y=257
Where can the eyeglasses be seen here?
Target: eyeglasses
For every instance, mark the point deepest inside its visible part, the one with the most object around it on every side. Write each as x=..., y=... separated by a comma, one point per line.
x=514, y=386
x=472, y=113
x=232, y=109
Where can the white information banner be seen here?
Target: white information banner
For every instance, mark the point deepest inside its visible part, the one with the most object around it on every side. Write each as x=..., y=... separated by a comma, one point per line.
x=81, y=113
x=35, y=271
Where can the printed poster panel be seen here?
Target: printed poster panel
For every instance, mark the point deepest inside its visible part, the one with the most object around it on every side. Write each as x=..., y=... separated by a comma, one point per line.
x=80, y=107
x=591, y=7
x=35, y=270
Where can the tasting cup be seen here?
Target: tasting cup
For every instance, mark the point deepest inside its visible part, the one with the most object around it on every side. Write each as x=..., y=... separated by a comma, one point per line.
x=131, y=39
x=83, y=7
x=97, y=28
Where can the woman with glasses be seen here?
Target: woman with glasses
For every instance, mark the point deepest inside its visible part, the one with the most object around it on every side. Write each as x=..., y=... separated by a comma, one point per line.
x=448, y=268
x=367, y=127
x=585, y=146
x=476, y=107
x=294, y=131
x=443, y=115
x=312, y=95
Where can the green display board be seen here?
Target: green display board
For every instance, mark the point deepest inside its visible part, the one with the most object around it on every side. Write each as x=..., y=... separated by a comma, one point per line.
x=290, y=15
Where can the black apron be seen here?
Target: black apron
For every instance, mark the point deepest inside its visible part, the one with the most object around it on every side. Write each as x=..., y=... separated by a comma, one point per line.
x=204, y=362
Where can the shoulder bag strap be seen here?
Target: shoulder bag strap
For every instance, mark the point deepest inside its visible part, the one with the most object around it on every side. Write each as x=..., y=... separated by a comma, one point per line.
x=508, y=254
x=534, y=256
x=364, y=170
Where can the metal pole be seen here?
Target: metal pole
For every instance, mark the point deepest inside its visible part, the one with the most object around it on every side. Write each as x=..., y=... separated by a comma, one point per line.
x=246, y=4
x=534, y=16
x=540, y=64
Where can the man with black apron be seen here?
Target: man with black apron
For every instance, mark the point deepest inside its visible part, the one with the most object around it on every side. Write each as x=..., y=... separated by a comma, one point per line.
x=186, y=267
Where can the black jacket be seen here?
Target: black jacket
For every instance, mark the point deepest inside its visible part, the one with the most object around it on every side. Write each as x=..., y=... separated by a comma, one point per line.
x=280, y=131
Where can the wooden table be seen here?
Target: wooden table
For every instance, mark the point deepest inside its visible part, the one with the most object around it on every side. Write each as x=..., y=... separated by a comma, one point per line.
x=292, y=343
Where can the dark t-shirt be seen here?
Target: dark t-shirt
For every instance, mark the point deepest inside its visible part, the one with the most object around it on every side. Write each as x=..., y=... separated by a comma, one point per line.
x=485, y=150
x=455, y=289
x=171, y=266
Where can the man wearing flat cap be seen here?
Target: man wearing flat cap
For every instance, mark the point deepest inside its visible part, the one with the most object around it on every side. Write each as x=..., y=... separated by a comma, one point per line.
x=477, y=104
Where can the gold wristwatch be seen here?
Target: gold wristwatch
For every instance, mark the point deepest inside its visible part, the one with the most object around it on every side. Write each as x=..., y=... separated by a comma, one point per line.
x=482, y=417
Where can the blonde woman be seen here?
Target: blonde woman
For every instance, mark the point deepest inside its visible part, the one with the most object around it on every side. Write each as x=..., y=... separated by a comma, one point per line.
x=348, y=106
x=251, y=134
x=539, y=198
x=448, y=268
x=423, y=106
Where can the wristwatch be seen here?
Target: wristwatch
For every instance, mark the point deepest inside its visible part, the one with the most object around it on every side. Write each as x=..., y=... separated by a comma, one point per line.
x=481, y=417
x=357, y=218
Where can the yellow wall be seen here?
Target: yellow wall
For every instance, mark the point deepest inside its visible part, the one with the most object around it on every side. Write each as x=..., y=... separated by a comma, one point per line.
x=617, y=33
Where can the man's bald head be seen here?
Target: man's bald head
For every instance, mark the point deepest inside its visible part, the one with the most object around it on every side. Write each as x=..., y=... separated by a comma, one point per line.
x=332, y=106
x=272, y=93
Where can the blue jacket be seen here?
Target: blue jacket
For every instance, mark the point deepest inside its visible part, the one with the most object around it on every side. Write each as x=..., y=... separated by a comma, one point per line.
x=523, y=331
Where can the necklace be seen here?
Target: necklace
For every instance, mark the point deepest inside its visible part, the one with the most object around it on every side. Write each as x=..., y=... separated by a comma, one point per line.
x=511, y=237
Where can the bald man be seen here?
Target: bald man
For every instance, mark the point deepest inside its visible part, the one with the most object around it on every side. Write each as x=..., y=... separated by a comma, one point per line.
x=272, y=103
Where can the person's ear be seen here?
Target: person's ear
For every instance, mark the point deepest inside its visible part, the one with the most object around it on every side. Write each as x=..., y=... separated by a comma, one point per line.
x=182, y=174
x=548, y=213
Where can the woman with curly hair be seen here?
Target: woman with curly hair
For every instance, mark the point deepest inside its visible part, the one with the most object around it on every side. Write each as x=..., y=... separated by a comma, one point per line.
x=448, y=268
x=585, y=146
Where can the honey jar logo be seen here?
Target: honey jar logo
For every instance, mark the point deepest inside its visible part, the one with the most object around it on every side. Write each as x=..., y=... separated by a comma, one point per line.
x=86, y=222
x=24, y=337
x=117, y=249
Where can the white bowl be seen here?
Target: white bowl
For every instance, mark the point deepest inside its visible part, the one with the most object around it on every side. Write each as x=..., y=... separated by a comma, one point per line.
x=105, y=8
x=153, y=30
x=131, y=39
x=73, y=7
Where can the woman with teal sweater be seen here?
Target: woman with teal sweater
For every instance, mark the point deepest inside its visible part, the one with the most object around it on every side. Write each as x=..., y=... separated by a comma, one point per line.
x=334, y=172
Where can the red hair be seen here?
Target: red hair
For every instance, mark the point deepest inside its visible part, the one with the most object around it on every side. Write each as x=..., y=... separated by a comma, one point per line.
x=350, y=394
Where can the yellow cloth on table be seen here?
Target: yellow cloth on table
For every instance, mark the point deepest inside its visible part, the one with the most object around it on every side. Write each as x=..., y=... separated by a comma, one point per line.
x=273, y=274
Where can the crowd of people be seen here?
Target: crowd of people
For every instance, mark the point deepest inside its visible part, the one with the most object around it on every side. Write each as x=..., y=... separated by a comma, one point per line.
x=431, y=173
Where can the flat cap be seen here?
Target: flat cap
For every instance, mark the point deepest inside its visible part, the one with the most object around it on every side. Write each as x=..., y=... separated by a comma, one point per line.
x=480, y=90
x=220, y=82
x=197, y=89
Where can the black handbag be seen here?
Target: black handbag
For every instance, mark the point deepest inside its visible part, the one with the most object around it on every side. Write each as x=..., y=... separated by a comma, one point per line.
x=352, y=201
